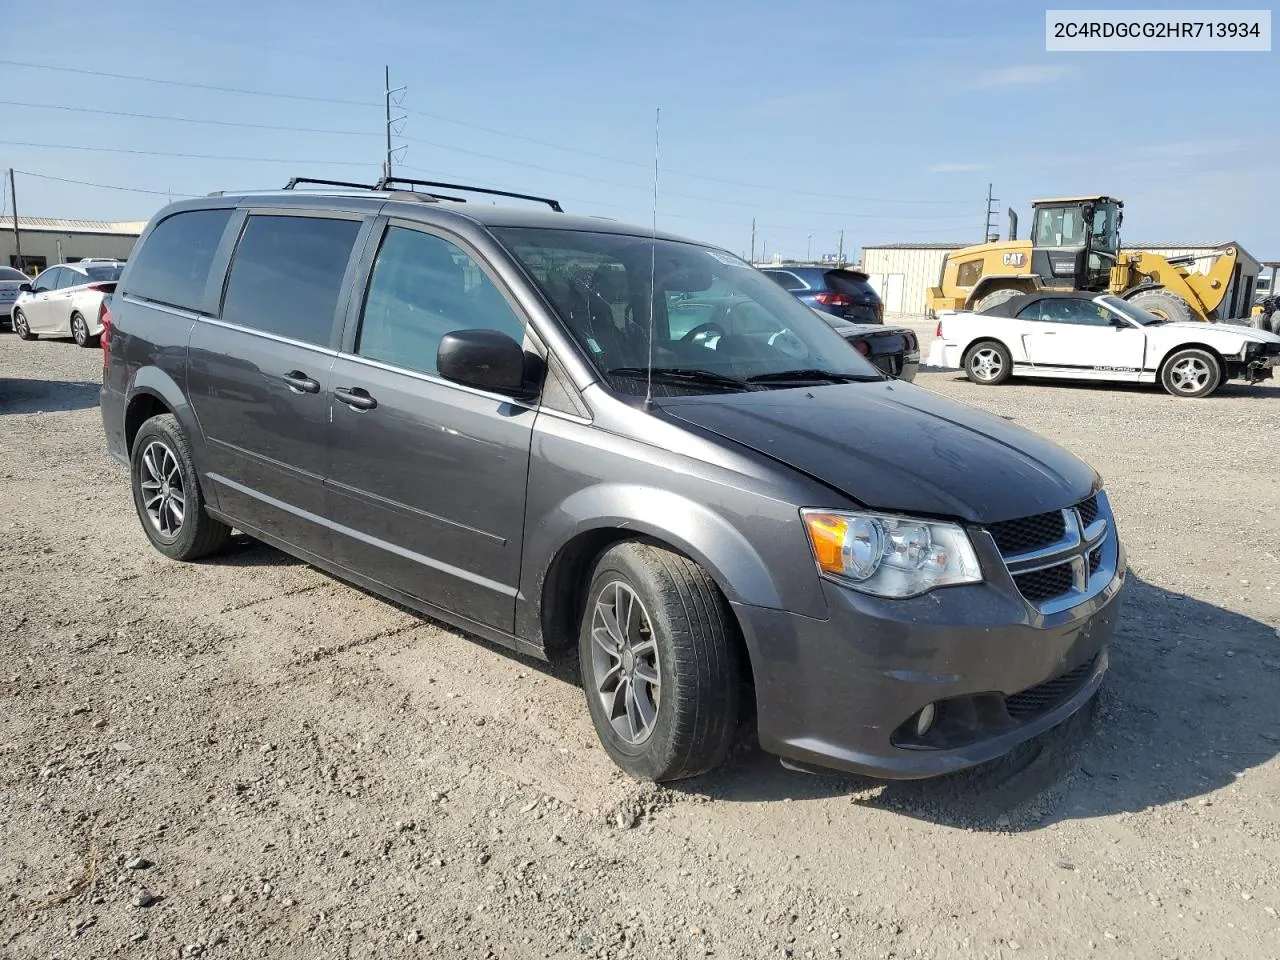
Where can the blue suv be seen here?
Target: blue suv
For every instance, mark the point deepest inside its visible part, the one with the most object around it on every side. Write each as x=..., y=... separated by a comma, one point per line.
x=839, y=291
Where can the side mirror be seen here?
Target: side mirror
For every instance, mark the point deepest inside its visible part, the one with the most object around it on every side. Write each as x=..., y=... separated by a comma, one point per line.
x=24, y=288
x=484, y=359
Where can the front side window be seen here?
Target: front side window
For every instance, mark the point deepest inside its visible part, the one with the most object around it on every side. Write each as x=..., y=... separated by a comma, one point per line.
x=1059, y=227
x=423, y=287
x=287, y=273
x=713, y=314
x=172, y=266
x=47, y=281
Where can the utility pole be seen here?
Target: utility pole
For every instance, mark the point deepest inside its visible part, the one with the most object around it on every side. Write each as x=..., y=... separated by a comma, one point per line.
x=991, y=212
x=840, y=253
x=753, y=240
x=17, y=237
x=386, y=165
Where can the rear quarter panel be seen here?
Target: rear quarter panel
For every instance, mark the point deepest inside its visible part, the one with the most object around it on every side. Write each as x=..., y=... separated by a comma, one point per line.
x=967, y=329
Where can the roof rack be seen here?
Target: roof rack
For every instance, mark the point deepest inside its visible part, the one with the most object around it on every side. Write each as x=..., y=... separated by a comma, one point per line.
x=386, y=183
x=294, y=181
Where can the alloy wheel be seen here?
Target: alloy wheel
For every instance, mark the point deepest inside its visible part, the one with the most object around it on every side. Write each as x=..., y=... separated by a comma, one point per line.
x=20, y=324
x=163, y=496
x=1190, y=374
x=79, y=330
x=624, y=662
x=986, y=364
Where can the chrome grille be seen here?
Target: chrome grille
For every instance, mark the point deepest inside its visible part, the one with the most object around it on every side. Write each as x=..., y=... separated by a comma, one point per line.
x=1061, y=558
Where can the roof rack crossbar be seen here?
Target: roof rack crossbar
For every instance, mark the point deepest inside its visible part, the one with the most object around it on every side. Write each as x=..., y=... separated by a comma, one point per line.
x=386, y=183
x=294, y=181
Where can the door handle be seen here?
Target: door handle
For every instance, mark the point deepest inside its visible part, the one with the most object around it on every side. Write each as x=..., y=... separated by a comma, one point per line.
x=355, y=398
x=300, y=382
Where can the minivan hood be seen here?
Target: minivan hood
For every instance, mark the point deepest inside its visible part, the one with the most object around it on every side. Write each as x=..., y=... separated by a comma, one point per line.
x=896, y=447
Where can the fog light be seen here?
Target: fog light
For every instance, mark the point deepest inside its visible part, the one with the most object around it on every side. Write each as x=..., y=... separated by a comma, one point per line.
x=924, y=720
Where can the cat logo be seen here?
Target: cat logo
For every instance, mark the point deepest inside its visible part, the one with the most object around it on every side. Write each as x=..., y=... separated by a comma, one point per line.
x=1015, y=259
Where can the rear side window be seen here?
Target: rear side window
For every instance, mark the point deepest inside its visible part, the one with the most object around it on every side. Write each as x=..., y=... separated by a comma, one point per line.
x=172, y=267
x=287, y=273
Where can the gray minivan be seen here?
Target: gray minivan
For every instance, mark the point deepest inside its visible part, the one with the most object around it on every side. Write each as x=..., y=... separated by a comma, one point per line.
x=561, y=432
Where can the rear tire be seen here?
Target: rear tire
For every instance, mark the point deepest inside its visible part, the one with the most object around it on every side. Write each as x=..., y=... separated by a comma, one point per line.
x=167, y=494
x=652, y=613
x=1191, y=373
x=80, y=332
x=1164, y=304
x=988, y=363
x=21, y=327
x=997, y=297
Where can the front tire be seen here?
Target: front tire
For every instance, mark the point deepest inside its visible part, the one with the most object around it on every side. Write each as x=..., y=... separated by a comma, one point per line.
x=988, y=363
x=1191, y=373
x=659, y=663
x=21, y=327
x=167, y=494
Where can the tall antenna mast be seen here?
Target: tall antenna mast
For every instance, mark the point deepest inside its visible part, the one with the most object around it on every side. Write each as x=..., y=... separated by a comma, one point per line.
x=386, y=164
x=653, y=259
x=991, y=213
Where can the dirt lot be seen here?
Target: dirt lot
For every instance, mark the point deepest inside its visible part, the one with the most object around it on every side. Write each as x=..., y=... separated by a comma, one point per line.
x=248, y=758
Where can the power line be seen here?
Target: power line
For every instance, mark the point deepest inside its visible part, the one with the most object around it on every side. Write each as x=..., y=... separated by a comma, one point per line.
x=104, y=186
x=492, y=130
x=188, y=84
x=169, y=117
x=185, y=156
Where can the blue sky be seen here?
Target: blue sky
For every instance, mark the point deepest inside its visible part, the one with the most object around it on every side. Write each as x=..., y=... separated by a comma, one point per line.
x=884, y=119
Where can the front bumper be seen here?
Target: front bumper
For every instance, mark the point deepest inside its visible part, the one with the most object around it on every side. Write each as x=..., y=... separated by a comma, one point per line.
x=840, y=692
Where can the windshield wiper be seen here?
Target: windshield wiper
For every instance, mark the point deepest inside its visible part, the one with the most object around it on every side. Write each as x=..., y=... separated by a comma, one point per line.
x=682, y=376
x=803, y=376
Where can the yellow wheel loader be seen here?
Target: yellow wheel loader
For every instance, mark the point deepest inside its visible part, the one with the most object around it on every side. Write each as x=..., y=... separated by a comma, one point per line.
x=1075, y=245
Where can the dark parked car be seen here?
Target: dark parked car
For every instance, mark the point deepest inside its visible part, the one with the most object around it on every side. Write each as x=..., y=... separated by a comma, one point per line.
x=561, y=432
x=839, y=291
x=895, y=350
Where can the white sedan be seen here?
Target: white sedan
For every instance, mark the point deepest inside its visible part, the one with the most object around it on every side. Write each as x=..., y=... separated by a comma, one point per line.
x=1080, y=336
x=66, y=301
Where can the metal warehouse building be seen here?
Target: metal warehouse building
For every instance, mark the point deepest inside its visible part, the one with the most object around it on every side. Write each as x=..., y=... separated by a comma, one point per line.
x=46, y=240
x=902, y=273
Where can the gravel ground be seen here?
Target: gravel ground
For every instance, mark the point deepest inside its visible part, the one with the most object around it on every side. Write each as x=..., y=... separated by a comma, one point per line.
x=247, y=758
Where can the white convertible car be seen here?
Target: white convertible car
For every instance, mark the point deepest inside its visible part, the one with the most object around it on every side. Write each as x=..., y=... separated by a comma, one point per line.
x=1080, y=336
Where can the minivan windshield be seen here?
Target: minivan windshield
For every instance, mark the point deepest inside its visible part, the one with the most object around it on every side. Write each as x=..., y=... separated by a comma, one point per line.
x=719, y=324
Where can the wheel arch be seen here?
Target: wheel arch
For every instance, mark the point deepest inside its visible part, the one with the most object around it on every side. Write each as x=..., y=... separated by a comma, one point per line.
x=980, y=339
x=154, y=392
x=558, y=562
x=563, y=598
x=1194, y=345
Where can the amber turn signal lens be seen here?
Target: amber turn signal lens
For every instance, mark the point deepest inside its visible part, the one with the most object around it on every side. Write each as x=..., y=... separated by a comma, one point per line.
x=826, y=533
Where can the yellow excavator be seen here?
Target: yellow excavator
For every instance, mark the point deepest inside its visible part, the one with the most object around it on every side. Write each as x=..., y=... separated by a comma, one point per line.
x=1075, y=245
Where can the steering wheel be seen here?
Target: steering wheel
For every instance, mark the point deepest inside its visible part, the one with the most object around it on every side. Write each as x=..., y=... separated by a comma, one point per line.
x=703, y=329
x=789, y=343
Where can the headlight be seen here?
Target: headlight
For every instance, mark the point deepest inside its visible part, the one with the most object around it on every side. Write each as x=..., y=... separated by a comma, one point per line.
x=890, y=556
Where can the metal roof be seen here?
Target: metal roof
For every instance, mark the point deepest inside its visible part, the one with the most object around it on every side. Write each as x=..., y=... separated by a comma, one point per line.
x=126, y=228
x=919, y=246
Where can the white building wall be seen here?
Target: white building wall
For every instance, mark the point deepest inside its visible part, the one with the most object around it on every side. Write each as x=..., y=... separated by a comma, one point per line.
x=45, y=243
x=903, y=276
